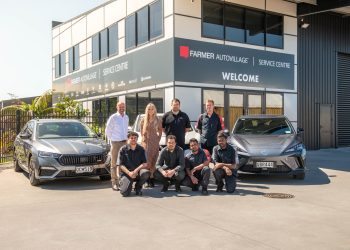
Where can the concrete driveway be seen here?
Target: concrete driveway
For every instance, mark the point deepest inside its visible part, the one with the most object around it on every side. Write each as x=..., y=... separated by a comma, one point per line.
x=87, y=214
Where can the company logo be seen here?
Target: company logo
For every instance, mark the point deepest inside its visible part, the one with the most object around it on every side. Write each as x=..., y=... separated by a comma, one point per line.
x=184, y=51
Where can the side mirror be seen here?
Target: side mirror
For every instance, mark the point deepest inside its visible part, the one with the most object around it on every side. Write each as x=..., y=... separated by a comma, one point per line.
x=99, y=135
x=25, y=136
x=300, y=130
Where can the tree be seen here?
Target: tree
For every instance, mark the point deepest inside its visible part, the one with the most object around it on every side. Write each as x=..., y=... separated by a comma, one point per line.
x=41, y=107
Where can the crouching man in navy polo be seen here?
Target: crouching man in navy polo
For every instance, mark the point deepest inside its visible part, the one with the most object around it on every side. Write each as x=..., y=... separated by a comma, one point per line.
x=224, y=157
x=197, y=168
x=133, y=166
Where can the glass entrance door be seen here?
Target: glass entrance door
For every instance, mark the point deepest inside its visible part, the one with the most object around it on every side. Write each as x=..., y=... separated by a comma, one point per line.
x=244, y=103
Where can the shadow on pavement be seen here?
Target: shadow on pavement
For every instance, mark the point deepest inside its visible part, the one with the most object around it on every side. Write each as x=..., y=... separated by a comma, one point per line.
x=336, y=159
x=314, y=176
x=75, y=184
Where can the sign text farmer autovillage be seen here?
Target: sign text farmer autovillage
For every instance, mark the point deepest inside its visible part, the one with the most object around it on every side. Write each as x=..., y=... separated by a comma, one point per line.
x=212, y=63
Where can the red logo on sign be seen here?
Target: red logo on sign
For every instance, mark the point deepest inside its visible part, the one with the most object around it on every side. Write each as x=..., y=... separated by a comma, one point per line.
x=184, y=51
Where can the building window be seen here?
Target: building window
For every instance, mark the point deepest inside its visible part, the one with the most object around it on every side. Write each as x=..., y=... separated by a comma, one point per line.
x=131, y=107
x=213, y=20
x=60, y=65
x=274, y=104
x=157, y=97
x=74, y=62
x=145, y=24
x=237, y=24
x=274, y=31
x=96, y=48
x=255, y=27
x=57, y=66
x=130, y=31
x=103, y=44
x=234, y=24
x=156, y=19
x=142, y=26
x=113, y=40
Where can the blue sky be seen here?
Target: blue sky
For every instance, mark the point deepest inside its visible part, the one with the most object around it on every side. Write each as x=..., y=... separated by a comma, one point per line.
x=25, y=42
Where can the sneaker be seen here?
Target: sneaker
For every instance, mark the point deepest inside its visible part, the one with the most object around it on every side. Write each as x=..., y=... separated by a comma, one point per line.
x=115, y=187
x=205, y=191
x=139, y=192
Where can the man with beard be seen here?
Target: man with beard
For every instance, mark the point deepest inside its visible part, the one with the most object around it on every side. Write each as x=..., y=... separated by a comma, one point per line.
x=224, y=157
x=197, y=168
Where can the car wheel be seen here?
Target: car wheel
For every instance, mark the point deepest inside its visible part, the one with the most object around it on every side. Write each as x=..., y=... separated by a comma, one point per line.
x=32, y=179
x=105, y=177
x=16, y=165
x=299, y=176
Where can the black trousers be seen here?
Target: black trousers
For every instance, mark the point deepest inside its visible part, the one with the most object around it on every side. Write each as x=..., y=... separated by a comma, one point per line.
x=126, y=182
x=230, y=180
x=203, y=177
x=177, y=178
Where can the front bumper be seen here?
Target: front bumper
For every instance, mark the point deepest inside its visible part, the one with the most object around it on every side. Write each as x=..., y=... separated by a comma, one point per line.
x=50, y=168
x=283, y=164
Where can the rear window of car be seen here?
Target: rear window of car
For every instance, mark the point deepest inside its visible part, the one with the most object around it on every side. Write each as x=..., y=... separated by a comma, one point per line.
x=263, y=126
x=63, y=129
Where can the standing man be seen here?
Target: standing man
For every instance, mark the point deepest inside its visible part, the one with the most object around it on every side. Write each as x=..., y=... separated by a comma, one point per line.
x=170, y=165
x=117, y=133
x=209, y=124
x=197, y=168
x=133, y=166
x=175, y=122
x=224, y=157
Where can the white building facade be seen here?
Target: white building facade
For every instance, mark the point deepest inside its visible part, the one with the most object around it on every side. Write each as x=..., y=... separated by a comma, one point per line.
x=240, y=53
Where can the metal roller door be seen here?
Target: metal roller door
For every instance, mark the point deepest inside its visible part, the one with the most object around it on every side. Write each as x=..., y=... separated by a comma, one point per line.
x=343, y=100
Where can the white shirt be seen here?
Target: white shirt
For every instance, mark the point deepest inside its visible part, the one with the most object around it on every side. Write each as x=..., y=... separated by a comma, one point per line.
x=117, y=127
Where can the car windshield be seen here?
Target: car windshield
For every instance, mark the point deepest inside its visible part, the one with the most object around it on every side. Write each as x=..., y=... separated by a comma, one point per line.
x=262, y=126
x=63, y=129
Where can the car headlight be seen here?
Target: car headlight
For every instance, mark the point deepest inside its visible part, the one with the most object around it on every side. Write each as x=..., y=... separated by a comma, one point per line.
x=296, y=148
x=48, y=154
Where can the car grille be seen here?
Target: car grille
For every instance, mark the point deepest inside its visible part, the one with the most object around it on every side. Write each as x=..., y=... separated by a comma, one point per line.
x=72, y=173
x=82, y=159
x=277, y=169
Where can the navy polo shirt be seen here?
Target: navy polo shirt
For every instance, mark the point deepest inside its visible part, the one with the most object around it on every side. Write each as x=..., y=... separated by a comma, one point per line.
x=209, y=127
x=224, y=155
x=131, y=159
x=193, y=160
x=176, y=125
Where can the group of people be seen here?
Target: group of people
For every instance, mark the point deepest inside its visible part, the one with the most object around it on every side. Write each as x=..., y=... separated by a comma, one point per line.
x=131, y=162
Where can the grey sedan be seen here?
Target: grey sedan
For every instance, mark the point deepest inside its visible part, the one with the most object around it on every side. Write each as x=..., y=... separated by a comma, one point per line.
x=58, y=148
x=269, y=144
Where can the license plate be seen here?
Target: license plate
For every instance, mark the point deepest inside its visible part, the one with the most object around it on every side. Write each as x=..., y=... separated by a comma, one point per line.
x=80, y=170
x=265, y=164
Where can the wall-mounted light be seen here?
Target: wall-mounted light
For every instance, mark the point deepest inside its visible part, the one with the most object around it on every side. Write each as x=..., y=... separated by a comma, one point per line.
x=303, y=24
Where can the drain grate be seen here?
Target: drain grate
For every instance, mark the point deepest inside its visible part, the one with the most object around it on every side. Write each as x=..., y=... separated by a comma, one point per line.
x=279, y=196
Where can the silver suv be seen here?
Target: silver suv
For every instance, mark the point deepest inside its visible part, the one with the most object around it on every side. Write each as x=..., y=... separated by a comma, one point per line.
x=58, y=148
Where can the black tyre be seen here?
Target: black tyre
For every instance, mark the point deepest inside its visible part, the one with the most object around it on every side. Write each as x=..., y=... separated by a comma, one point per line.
x=299, y=176
x=16, y=165
x=32, y=179
x=105, y=177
